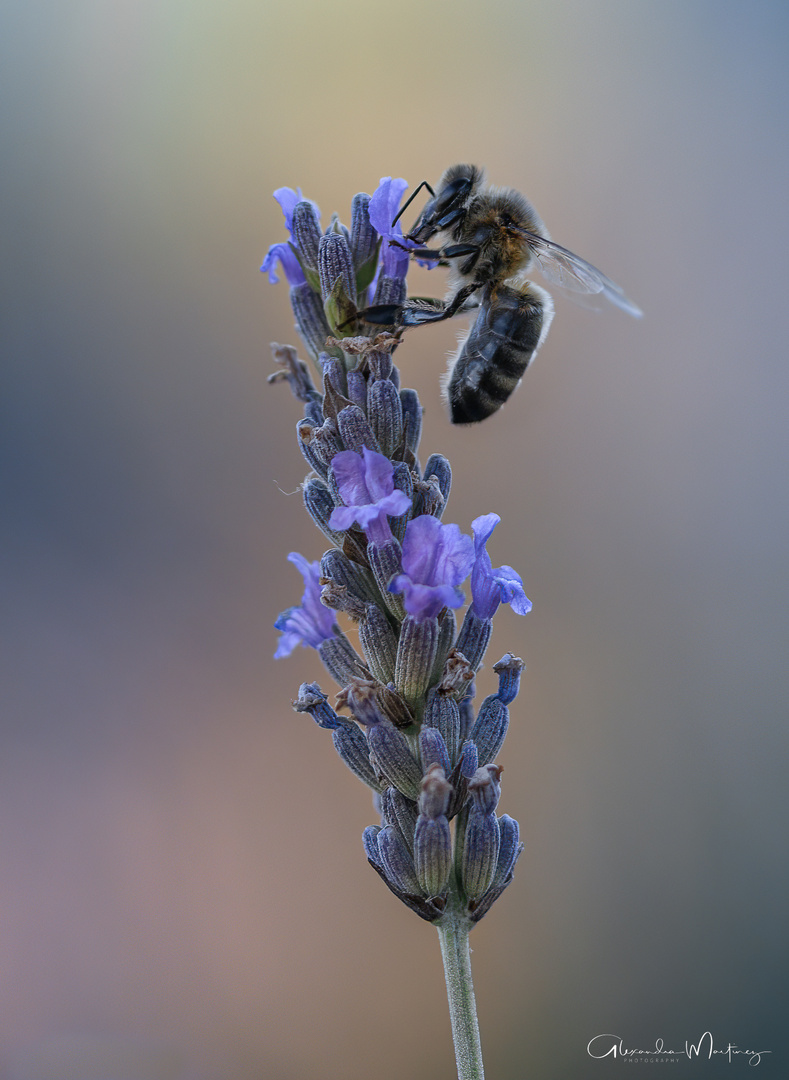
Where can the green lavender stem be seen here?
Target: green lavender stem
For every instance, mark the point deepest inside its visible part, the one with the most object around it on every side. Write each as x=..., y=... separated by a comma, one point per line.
x=453, y=935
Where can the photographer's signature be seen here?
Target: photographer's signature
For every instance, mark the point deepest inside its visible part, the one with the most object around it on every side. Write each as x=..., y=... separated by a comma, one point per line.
x=603, y=1046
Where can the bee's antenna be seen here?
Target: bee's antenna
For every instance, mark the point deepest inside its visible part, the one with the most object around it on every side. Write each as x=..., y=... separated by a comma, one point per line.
x=408, y=201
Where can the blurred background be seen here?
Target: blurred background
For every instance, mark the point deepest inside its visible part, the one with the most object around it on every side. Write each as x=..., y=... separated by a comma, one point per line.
x=184, y=894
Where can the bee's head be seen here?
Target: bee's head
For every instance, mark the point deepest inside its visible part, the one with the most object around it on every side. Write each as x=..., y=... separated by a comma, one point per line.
x=468, y=178
x=448, y=206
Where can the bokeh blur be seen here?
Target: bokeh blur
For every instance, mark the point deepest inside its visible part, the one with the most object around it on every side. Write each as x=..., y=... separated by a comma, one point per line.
x=184, y=893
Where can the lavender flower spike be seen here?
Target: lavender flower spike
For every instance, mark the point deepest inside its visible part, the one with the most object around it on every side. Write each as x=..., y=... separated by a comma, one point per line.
x=395, y=569
x=490, y=587
x=367, y=487
x=308, y=623
x=436, y=560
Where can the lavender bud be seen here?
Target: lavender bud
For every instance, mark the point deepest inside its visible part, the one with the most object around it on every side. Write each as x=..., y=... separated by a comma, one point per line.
x=364, y=241
x=447, y=627
x=390, y=290
x=349, y=741
x=510, y=848
x=370, y=841
x=311, y=321
x=336, y=226
x=344, y=571
x=474, y=638
x=428, y=498
x=313, y=412
x=436, y=789
x=491, y=728
x=312, y=699
x=430, y=910
x=442, y=712
x=361, y=697
x=485, y=788
x=394, y=759
x=469, y=760
x=509, y=670
x=416, y=654
x=305, y=433
x=412, y=419
x=334, y=379
x=509, y=851
x=386, y=415
x=457, y=678
x=466, y=706
x=334, y=490
x=306, y=234
x=400, y=812
x=432, y=841
x=372, y=702
x=397, y=861
x=403, y=481
x=355, y=430
x=379, y=643
x=438, y=466
x=460, y=776
x=380, y=365
x=338, y=598
x=351, y=744
x=338, y=278
x=433, y=751
x=322, y=441
x=393, y=707
x=320, y=505
x=335, y=263
x=385, y=561
x=341, y=660
x=357, y=389
x=482, y=840
x=327, y=438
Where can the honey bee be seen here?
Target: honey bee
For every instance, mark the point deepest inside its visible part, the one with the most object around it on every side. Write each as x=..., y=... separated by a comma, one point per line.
x=490, y=238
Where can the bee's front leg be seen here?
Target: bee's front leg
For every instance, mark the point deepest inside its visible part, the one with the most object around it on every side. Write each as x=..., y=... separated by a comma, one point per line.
x=453, y=251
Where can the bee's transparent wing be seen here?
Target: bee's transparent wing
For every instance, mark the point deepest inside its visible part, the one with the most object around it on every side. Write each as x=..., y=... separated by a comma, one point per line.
x=561, y=267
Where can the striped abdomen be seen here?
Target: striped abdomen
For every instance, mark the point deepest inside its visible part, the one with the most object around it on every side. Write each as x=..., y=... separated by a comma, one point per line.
x=508, y=331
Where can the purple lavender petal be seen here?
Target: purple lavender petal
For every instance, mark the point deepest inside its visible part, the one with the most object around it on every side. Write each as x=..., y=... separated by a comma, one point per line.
x=436, y=554
x=310, y=622
x=384, y=204
x=367, y=489
x=483, y=527
x=344, y=516
x=349, y=472
x=455, y=555
x=490, y=587
x=512, y=593
x=436, y=559
x=379, y=476
x=290, y=264
x=287, y=199
x=425, y=601
x=288, y=640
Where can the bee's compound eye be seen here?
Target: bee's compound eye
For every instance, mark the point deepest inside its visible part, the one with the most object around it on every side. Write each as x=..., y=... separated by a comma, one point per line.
x=454, y=191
